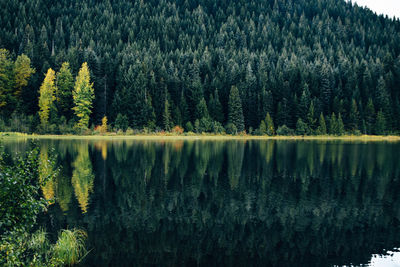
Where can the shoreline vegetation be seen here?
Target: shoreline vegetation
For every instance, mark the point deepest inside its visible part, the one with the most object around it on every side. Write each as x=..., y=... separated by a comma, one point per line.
x=194, y=136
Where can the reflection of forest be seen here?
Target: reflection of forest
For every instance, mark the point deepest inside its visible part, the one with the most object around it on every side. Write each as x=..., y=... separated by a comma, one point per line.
x=271, y=202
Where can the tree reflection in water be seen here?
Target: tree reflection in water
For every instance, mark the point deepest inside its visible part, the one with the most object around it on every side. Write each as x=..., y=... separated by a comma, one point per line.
x=279, y=203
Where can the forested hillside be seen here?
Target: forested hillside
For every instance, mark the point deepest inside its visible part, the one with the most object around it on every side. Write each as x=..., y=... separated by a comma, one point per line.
x=315, y=66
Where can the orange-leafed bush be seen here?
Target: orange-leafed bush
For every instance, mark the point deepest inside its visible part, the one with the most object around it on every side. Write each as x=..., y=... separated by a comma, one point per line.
x=177, y=130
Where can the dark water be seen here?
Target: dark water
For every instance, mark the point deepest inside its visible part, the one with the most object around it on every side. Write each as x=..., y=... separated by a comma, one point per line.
x=226, y=203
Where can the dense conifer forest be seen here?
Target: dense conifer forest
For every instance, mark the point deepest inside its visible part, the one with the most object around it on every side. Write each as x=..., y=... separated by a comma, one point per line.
x=260, y=66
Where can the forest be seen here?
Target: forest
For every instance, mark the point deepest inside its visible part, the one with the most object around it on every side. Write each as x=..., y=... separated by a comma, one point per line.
x=261, y=67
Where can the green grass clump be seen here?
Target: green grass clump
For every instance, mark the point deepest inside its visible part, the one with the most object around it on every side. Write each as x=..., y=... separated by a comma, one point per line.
x=70, y=247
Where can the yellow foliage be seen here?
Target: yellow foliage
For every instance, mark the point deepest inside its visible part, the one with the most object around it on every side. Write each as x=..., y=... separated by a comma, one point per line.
x=47, y=96
x=83, y=96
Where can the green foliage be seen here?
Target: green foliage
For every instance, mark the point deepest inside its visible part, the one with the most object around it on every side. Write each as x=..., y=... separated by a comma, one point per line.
x=23, y=72
x=286, y=73
x=121, y=122
x=167, y=120
x=321, y=130
x=231, y=128
x=270, y=125
x=380, y=127
x=189, y=127
x=70, y=247
x=302, y=127
x=235, y=114
x=284, y=131
x=65, y=85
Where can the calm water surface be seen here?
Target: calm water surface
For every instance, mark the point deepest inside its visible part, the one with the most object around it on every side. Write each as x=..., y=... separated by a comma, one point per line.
x=227, y=203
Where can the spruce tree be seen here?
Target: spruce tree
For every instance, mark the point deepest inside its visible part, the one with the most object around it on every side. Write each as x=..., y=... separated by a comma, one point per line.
x=65, y=86
x=380, y=126
x=340, y=125
x=369, y=116
x=322, y=125
x=333, y=125
x=167, y=120
x=235, y=114
x=83, y=96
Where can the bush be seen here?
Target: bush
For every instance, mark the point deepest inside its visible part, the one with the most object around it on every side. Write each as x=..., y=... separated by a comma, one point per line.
x=231, y=128
x=121, y=122
x=130, y=131
x=177, y=130
x=189, y=127
x=217, y=128
x=284, y=131
x=302, y=127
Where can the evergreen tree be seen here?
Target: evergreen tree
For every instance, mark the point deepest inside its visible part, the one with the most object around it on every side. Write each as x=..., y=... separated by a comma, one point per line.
x=167, y=120
x=47, y=96
x=262, y=129
x=322, y=125
x=301, y=127
x=7, y=97
x=65, y=86
x=311, y=116
x=83, y=96
x=369, y=116
x=380, y=126
x=354, y=116
x=333, y=125
x=340, y=126
x=216, y=107
x=235, y=114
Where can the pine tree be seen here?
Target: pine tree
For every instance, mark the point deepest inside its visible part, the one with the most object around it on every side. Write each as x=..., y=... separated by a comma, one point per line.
x=340, y=126
x=47, y=96
x=216, y=111
x=262, y=129
x=65, y=85
x=380, y=126
x=354, y=116
x=311, y=118
x=369, y=116
x=7, y=98
x=235, y=115
x=83, y=96
x=201, y=109
x=322, y=125
x=333, y=125
x=167, y=120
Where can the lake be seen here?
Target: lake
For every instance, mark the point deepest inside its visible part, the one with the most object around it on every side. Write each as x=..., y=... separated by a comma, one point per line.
x=226, y=203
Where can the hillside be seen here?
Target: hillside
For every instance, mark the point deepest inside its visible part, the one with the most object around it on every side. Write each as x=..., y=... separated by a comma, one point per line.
x=170, y=62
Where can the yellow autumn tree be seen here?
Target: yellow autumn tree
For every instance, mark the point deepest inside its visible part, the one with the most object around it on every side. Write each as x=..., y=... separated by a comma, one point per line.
x=47, y=96
x=83, y=96
x=82, y=177
x=23, y=71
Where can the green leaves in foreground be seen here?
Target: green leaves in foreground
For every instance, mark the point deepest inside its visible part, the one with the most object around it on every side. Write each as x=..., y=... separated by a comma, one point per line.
x=21, y=178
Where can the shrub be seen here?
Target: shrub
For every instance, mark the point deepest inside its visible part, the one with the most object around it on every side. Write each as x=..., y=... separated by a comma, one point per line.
x=231, y=128
x=217, y=128
x=177, y=130
x=284, y=131
x=121, y=122
x=189, y=127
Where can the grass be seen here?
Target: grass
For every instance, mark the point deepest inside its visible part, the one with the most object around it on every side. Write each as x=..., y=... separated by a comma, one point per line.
x=191, y=136
x=70, y=247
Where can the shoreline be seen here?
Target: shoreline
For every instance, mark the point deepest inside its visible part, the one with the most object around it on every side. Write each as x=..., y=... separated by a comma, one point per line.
x=200, y=137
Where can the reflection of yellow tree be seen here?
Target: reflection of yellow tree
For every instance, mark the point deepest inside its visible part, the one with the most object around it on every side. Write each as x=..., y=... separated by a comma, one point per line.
x=82, y=177
x=102, y=146
x=45, y=170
